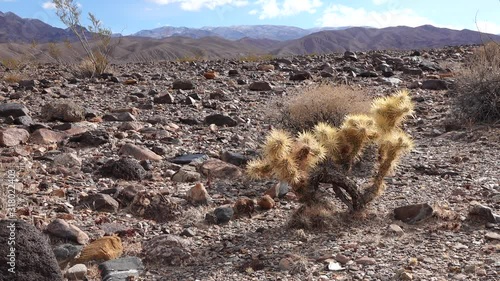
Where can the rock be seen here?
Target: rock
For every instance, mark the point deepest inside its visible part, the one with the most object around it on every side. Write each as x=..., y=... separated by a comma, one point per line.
x=260, y=86
x=333, y=265
x=244, y=207
x=13, y=109
x=234, y=158
x=121, y=269
x=366, y=261
x=65, y=253
x=188, y=158
x=188, y=232
x=413, y=71
x=103, y=249
x=216, y=168
x=13, y=136
x=32, y=258
x=265, y=67
x=24, y=121
x=220, y=120
x=279, y=190
x=223, y=214
x=266, y=202
x=233, y=72
x=368, y=74
x=350, y=56
x=169, y=249
x=300, y=76
x=67, y=160
x=394, y=228
x=76, y=272
x=100, y=202
x=164, y=99
x=434, y=84
x=182, y=84
x=138, y=153
x=131, y=126
x=119, y=117
x=92, y=138
x=342, y=259
x=125, y=168
x=484, y=212
x=156, y=206
x=186, y=174
x=198, y=194
x=45, y=136
x=63, y=111
x=60, y=228
x=209, y=75
x=492, y=236
x=390, y=81
x=412, y=214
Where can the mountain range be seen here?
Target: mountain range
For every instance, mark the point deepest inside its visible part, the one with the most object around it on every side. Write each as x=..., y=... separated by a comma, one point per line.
x=170, y=43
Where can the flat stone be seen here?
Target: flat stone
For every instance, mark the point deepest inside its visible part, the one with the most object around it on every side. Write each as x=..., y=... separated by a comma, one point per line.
x=65, y=253
x=492, y=236
x=13, y=109
x=76, y=272
x=45, y=136
x=188, y=158
x=221, y=120
x=62, y=229
x=300, y=76
x=185, y=174
x=33, y=259
x=67, y=160
x=13, y=136
x=412, y=214
x=260, y=86
x=366, y=261
x=434, y=84
x=182, y=84
x=236, y=159
x=100, y=202
x=219, y=169
x=121, y=269
x=139, y=153
x=63, y=111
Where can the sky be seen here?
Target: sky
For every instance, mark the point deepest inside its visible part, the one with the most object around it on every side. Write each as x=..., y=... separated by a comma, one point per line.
x=130, y=16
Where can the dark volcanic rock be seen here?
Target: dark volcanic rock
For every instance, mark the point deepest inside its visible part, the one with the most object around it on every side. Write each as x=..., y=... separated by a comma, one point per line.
x=33, y=258
x=434, y=84
x=300, y=76
x=260, y=86
x=234, y=158
x=188, y=158
x=183, y=85
x=224, y=214
x=92, y=138
x=221, y=120
x=13, y=109
x=100, y=202
x=125, y=168
x=121, y=269
x=164, y=99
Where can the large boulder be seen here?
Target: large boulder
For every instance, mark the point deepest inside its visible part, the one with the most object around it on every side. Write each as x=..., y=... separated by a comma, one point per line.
x=26, y=255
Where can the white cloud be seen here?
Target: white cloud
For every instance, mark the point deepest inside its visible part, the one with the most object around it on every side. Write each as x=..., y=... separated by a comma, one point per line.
x=340, y=15
x=488, y=27
x=196, y=5
x=272, y=9
x=49, y=5
x=381, y=2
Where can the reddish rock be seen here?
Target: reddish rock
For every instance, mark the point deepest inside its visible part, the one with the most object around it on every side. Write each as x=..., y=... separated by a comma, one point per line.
x=46, y=136
x=219, y=169
x=198, y=194
x=13, y=136
x=139, y=153
x=266, y=202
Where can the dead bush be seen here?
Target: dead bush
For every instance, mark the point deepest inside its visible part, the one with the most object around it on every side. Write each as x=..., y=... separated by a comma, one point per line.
x=477, y=89
x=323, y=103
x=13, y=77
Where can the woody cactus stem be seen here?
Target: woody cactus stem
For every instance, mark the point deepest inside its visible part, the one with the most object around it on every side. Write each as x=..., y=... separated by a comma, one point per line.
x=327, y=154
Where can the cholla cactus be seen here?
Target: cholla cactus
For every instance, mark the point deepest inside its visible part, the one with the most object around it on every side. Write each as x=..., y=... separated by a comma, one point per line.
x=327, y=154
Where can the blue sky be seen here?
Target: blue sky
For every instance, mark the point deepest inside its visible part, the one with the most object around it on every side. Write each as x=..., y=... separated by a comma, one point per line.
x=129, y=16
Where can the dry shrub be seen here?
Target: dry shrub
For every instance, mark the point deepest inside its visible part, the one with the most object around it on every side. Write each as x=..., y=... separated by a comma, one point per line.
x=91, y=67
x=477, y=89
x=323, y=103
x=316, y=215
x=13, y=77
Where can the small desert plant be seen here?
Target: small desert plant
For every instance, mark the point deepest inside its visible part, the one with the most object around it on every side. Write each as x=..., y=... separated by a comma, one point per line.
x=323, y=103
x=327, y=154
x=97, y=57
x=477, y=91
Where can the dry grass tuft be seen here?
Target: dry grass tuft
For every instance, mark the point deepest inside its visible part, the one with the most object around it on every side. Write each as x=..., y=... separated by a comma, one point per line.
x=317, y=215
x=324, y=103
x=13, y=77
x=478, y=86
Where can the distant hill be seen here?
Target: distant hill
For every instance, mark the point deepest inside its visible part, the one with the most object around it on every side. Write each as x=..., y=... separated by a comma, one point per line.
x=16, y=29
x=362, y=39
x=271, y=32
x=170, y=43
